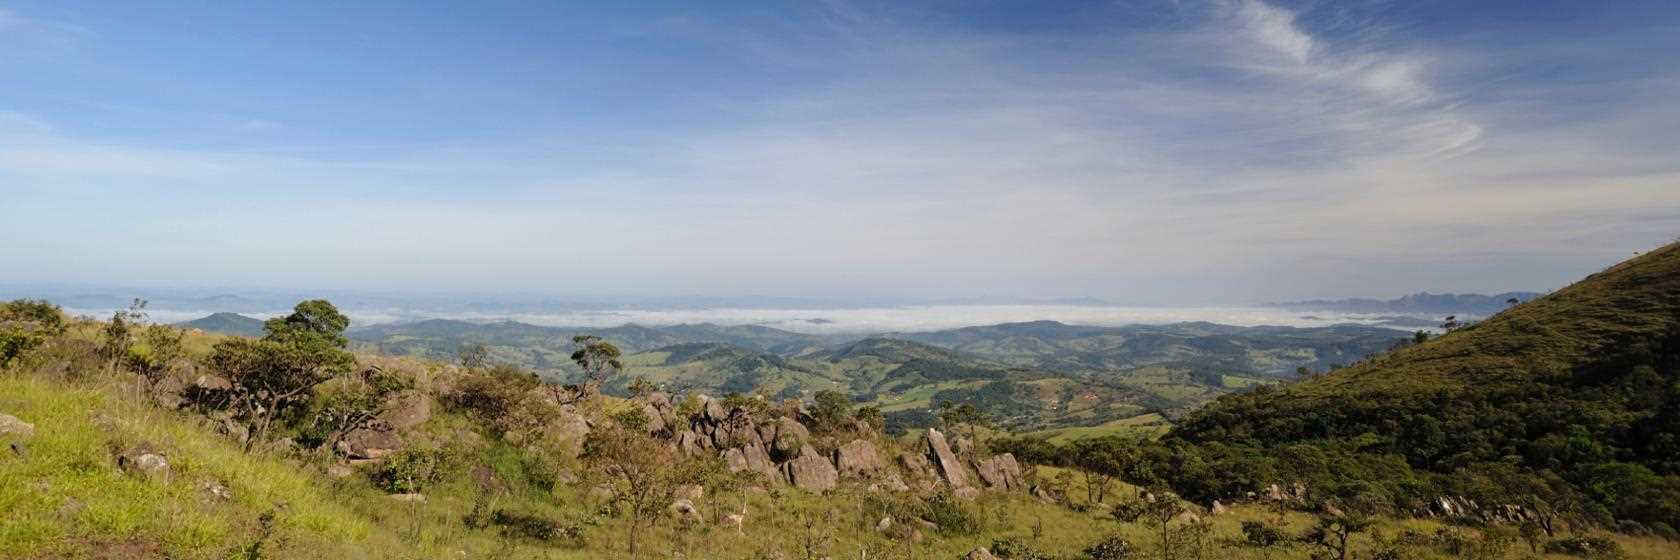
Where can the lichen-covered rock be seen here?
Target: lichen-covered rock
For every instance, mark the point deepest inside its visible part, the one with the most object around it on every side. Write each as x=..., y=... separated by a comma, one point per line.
x=811, y=471
x=408, y=411
x=369, y=444
x=758, y=460
x=858, y=460
x=980, y=554
x=144, y=460
x=715, y=411
x=567, y=432
x=656, y=421
x=689, y=444
x=1000, y=472
x=944, y=460
x=789, y=437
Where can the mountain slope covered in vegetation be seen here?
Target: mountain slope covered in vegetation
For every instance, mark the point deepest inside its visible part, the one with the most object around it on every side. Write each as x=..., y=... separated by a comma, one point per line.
x=1574, y=397
x=226, y=323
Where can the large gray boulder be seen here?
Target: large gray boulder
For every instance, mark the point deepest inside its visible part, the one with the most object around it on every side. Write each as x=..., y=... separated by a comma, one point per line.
x=143, y=459
x=656, y=421
x=789, y=438
x=945, y=461
x=689, y=444
x=758, y=460
x=858, y=460
x=567, y=432
x=408, y=411
x=752, y=458
x=369, y=444
x=811, y=471
x=715, y=412
x=1000, y=472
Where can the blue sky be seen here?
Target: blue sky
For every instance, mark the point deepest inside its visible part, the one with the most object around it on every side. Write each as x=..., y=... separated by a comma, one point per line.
x=1206, y=152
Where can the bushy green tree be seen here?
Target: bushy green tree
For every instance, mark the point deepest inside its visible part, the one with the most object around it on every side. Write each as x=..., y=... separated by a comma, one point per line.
x=119, y=334
x=473, y=356
x=357, y=402
x=831, y=409
x=644, y=471
x=1333, y=533
x=154, y=350
x=962, y=417
x=597, y=358
x=275, y=376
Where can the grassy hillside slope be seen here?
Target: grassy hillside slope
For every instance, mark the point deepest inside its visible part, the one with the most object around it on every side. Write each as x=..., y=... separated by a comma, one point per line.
x=63, y=496
x=1583, y=384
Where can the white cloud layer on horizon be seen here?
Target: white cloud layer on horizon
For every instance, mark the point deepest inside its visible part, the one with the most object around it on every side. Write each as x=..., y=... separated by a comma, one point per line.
x=919, y=318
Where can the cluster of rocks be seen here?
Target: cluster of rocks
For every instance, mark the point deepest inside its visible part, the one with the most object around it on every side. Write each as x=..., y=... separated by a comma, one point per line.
x=781, y=449
x=1465, y=509
x=1296, y=493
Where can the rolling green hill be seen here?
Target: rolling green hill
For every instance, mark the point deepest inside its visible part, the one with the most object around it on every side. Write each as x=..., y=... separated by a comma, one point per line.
x=1578, y=391
x=226, y=323
x=1025, y=375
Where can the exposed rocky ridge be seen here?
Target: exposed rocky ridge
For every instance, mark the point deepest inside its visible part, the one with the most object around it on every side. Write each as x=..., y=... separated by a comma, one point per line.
x=784, y=451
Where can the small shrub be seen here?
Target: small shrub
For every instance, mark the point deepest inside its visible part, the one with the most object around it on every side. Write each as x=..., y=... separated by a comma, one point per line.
x=1585, y=547
x=1412, y=538
x=1631, y=527
x=952, y=516
x=1014, y=548
x=413, y=469
x=538, y=528
x=1451, y=541
x=1665, y=531
x=1112, y=547
x=1262, y=534
x=1495, y=542
x=1129, y=510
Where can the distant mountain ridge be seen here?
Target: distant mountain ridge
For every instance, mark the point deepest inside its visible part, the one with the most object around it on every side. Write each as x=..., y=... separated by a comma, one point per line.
x=1423, y=302
x=1032, y=374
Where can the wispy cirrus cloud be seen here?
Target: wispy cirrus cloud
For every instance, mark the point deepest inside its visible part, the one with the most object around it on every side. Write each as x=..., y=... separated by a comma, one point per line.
x=1228, y=151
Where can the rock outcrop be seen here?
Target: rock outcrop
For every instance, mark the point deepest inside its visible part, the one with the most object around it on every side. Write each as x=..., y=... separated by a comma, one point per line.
x=945, y=461
x=858, y=460
x=369, y=444
x=811, y=471
x=1000, y=472
x=788, y=437
x=407, y=411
